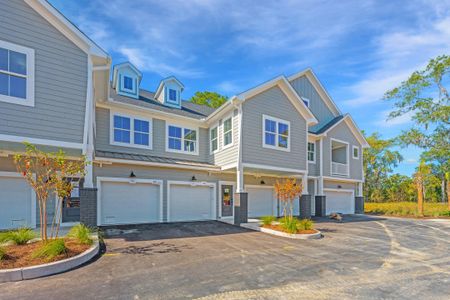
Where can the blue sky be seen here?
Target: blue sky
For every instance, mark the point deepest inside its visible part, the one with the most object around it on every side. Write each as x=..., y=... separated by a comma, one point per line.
x=358, y=49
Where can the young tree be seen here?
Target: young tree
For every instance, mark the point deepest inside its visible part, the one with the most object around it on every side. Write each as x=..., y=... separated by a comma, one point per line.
x=287, y=191
x=419, y=177
x=46, y=173
x=212, y=99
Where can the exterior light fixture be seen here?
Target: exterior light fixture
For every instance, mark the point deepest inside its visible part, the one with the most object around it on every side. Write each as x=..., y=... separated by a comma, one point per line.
x=132, y=175
x=193, y=178
x=263, y=182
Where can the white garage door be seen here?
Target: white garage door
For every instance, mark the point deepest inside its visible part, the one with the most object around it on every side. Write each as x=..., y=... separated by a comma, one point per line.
x=15, y=203
x=126, y=203
x=261, y=202
x=191, y=203
x=341, y=202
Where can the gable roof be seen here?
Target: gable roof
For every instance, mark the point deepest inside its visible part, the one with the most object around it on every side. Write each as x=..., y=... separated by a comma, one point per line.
x=319, y=88
x=163, y=81
x=122, y=65
x=288, y=90
x=347, y=119
x=66, y=27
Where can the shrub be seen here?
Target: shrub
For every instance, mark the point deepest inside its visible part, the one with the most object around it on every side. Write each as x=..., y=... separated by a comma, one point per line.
x=268, y=220
x=50, y=249
x=81, y=233
x=445, y=213
x=290, y=225
x=2, y=253
x=19, y=236
x=305, y=224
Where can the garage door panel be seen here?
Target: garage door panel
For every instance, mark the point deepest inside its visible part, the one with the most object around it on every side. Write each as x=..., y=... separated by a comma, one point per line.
x=191, y=203
x=15, y=198
x=125, y=203
x=261, y=202
x=341, y=202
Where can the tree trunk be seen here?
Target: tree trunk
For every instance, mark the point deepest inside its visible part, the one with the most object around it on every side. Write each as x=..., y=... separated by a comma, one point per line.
x=443, y=190
x=420, y=199
x=448, y=194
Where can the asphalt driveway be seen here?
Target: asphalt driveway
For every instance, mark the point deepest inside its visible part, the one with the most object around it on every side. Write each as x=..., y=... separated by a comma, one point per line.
x=363, y=257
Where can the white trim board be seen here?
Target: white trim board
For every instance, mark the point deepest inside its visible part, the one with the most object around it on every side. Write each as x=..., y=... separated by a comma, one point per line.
x=273, y=168
x=130, y=181
x=37, y=141
x=192, y=183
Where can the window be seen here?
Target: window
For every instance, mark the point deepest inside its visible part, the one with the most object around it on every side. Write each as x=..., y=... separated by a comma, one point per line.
x=172, y=95
x=306, y=101
x=276, y=133
x=16, y=74
x=227, y=132
x=181, y=140
x=355, y=152
x=128, y=83
x=214, y=141
x=131, y=131
x=311, y=152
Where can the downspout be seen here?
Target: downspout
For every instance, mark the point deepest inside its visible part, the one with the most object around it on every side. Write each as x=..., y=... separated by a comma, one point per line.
x=89, y=145
x=239, y=168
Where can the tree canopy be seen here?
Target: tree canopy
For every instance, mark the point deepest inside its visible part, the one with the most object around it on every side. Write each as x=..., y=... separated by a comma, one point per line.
x=212, y=99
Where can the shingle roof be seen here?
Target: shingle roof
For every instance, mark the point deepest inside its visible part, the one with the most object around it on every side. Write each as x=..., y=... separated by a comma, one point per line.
x=155, y=159
x=146, y=99
x=327, y=125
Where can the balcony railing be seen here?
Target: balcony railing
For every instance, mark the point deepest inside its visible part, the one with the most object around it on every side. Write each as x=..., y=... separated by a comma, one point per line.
x=339, y=169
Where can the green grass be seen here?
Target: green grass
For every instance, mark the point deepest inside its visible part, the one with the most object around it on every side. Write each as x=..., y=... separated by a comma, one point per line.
x=2, y=253
x=19, y=236
x=50, y=249
x=268, y=220
x=406, y=209
x=81, y=233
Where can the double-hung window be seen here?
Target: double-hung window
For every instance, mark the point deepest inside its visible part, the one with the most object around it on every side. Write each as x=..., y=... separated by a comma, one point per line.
x=214, y=139
x=355, y=152
x=131, y=131
x=228, y=132
x=181, y=139
x=16, y=74
x=312, y=152
x=276, y=133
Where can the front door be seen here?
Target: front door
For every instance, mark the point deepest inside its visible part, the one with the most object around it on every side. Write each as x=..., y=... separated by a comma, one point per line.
x=227, y=200
x=71, y=204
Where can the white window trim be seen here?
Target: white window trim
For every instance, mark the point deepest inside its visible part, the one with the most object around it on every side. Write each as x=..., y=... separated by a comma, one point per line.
x=353, y=152
x=216, y=126
x=132, y=118
x=29, y=101
x=230, y=116
x=276, y=147
x=314, y=152
x=182, y=139
x=122, y=84
x=306, y=100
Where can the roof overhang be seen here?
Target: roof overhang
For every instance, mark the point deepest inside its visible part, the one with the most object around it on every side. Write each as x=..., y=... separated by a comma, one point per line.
x=319, y=88
x=67, y=28
x=289, y=91
x=164, y=81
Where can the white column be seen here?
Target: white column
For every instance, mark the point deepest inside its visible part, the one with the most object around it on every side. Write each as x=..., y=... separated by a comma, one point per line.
x=89, y=176
x=240, y=167
x=239, y=179
x=305, y=184
x=320, y=179
x=360, y=189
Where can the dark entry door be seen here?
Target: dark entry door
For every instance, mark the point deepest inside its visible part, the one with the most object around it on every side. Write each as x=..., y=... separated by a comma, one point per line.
x=71, y=204
x=227, y=200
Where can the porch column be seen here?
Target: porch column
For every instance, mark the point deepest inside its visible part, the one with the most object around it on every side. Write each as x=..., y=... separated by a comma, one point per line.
x=359, y=199
x=320, y=199
x=89, y=169
x=305, y=199
x=240, y=198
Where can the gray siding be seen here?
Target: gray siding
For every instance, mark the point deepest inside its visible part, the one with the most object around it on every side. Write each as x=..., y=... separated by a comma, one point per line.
x=166, y=174
x=228, y=155
x=159, y=140
x=317, y=105
x=60, y=78
x=273, y=103
x=342, y=132
x=313, y=168
x=335, y=185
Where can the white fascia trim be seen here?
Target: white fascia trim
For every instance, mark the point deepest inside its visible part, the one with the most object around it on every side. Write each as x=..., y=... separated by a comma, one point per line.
x=341, y=179
x=130, y=181
x=229, y=166
x=224, y=109
x=60, y=22
x=134, y=109
x=45, y=142
x=319, y=88
x=102, y=160
x=273, y=168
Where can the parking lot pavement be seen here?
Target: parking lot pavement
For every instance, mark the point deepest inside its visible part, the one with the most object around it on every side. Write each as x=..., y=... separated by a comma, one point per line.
x=362, y=257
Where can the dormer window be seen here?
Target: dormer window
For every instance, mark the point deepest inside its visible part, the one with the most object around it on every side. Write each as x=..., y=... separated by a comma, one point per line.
x=128, y=83
x=169, y=92
x=126, y=79
x=172, y=95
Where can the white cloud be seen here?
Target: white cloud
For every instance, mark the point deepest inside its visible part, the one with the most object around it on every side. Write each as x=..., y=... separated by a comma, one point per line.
x=228, y=87
x=384, y=122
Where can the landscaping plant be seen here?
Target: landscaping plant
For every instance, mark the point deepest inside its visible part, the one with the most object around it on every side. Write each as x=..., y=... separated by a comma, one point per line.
x=2, y=253
x=81, y=233
x=287, y=191
x=290, y=225
x=50, y=249
x=267, y=220
x=19, y=236
x=47, y=173
x=305, y=224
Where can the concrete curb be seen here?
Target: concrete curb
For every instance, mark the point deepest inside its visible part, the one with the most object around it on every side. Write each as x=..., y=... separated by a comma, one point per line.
x=256, y=227
x=50, y=268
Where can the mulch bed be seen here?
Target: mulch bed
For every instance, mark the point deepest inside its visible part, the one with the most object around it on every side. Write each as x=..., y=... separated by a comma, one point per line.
x=18, y=256
x=279, y=228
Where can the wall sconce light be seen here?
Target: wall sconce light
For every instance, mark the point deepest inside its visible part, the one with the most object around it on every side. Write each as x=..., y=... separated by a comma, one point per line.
x=132, y=175
x=193, y=178
x=339, y=186
x=263, y=182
